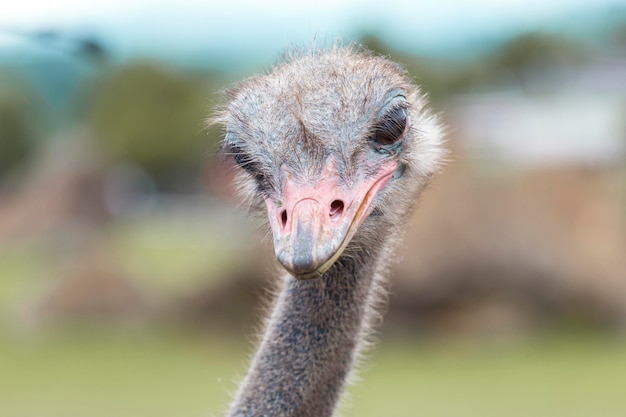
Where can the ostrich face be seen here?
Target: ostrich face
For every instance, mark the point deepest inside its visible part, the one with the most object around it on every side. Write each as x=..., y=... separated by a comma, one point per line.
x=326, y=141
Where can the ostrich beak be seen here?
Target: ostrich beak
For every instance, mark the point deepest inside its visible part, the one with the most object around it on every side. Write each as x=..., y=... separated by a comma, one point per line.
x=313, y=223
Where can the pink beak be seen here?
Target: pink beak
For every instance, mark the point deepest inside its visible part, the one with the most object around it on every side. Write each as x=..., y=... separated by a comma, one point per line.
x=314, y=223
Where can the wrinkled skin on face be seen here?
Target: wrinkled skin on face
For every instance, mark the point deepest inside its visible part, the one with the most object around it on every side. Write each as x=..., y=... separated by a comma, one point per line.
x=322, y=141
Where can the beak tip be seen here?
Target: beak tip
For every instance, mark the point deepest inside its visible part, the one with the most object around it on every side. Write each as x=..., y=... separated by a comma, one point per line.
x=305, y=266
x=299, y=265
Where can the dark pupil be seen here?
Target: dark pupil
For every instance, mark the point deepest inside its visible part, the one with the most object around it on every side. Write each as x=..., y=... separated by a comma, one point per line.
x=391, y=127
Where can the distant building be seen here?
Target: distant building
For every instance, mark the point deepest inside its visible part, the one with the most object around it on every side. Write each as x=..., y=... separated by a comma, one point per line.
x=572, y=117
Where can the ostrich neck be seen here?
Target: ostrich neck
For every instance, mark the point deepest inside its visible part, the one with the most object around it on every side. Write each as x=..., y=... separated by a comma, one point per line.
x=310, y=343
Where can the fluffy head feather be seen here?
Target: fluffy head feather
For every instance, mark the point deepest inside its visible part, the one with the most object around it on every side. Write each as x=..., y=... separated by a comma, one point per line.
x=328, y=105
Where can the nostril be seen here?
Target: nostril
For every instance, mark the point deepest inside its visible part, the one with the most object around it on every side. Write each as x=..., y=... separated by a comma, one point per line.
x=336, y=209
x=283, y=218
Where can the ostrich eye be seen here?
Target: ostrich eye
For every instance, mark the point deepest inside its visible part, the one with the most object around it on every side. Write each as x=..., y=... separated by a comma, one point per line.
x=390, y=128
x=238, y=155
x=244, y=161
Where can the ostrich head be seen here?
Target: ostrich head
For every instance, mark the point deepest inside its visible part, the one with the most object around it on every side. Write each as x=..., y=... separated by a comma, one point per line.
x=335, y=145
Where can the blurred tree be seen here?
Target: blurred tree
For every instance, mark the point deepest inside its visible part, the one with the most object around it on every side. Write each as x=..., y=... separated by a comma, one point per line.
x=87, y=48
x=534, y=52
x=19, y=121
x=150, y=116
x=511, y=63
x=618, y=36
x=92, y=50
x=374, y=43
x=433, y=76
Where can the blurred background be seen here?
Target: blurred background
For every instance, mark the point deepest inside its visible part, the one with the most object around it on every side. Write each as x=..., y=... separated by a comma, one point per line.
x=131, y=278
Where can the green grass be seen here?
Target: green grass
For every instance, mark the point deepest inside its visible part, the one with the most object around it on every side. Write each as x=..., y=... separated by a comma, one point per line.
x=178, y=256
x=164, y=259
x=116, y=374
x=178, y=374
x=23, y=275
x=570, y=377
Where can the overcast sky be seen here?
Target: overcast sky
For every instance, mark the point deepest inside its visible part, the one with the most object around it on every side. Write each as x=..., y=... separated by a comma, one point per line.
x=249, y=27
x=46, y=12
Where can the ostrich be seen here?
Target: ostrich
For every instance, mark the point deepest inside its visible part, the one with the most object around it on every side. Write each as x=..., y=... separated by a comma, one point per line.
x=335, y=145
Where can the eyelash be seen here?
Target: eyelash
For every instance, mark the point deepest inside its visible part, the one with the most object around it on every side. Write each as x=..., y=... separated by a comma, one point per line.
x=390, y=128
x=242, y=159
